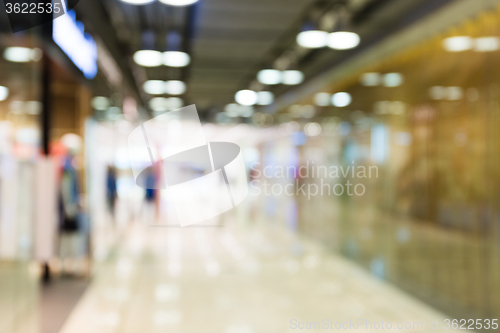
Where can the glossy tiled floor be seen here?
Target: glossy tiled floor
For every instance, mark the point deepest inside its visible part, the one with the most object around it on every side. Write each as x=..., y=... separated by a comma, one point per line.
x=18, y=297
x=237, y=280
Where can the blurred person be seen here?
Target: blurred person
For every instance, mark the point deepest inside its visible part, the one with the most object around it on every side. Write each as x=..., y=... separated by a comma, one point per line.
x=111, y=191
x=69, y=209
x=149, y=204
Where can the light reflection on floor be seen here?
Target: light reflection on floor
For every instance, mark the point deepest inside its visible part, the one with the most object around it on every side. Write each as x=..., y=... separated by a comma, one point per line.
x=229, y=280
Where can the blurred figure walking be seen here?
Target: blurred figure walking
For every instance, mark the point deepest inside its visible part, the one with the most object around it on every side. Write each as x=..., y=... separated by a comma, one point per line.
x=111, y=193
x=69, y=217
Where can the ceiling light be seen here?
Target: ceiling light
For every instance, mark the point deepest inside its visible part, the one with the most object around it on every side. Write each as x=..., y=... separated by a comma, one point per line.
x=312, y=39
x=174, y=103
x=154, y=87
x=137, y=2
x=437, y=92
x=292, y=77
x=176, y=59
x=457, y=44
x=175, y=87
x=100, y=103
x=232, y=110
x=16, y=107
x=371, y=79
x=246, y=97
x=269, y=76
x=265, y=97
x=322, y=99
x=33, y=107
x=307, y=111
x=455, y=93
x=246, y=111
x=148, y=58
x=487, y=44
x=178, y=2
x=343, y=40
x=36, y=54
x=18, y=54
x=235, y=110
x=158, y=104
x=4, y=93
x=341, y=99
x=312, y=129
x=393, y=79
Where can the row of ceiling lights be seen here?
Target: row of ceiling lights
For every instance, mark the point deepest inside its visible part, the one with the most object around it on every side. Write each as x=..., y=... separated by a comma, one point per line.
x=248, y=97
x=274, y=76
x=465, y=43
x=151, y=58
x=171, y=58
x=339, y=40
x=22, y=54
x=158, y=87
x=345, y=40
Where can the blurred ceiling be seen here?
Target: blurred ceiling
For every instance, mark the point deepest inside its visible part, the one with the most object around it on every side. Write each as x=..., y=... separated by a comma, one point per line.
x=231, y=40
x=227, y=40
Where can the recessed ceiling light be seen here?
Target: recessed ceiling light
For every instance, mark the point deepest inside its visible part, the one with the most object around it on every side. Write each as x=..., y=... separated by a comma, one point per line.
x=148, y=58
x=269, y=76
x=100, y=103
x=4, y=93
x=175, y=103
x=371, y=79
x=154, y=87
x=246, y=97
x=437, y=92
x=486, y=44
x=312, y=39
x=178, y=2
x=175, y=87
x=33, y=107
x=232, y=110
x=265, y=97
x=138, y=2
x=246, y=111
x=36, y=54
x=307, y=111
x=176, y=59
x=312, y=129
x=322, y=99
x=18, y=54
x=393, y=80
x=159, y=104
x=457, y=44
x=292, y=77
x=454, y=93
x=341, y=99
x=16, y=107
x=343, y=40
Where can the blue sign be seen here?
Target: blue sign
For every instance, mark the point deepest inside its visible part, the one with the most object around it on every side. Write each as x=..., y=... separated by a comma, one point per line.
x=79, y=46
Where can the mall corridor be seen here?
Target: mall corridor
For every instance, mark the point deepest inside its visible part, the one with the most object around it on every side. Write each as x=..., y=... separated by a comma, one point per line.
x=249, y=166
x=238, y=280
